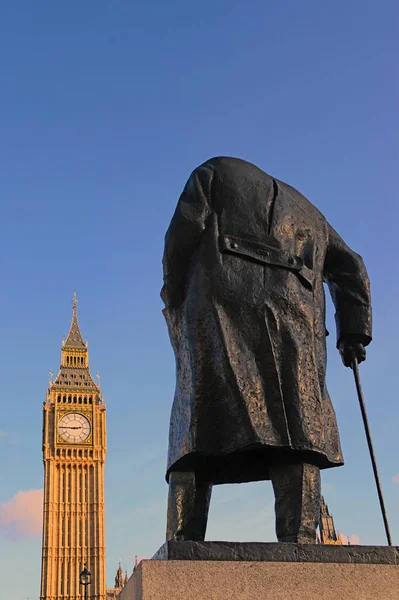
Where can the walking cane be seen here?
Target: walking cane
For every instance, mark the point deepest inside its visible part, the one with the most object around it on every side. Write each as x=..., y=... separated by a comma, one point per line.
x=355, y=368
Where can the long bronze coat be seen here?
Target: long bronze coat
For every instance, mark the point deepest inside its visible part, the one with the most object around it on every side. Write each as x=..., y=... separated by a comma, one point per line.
x=245, y=260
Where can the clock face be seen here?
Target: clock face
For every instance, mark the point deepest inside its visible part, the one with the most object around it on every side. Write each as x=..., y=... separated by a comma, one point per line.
x=74, y=428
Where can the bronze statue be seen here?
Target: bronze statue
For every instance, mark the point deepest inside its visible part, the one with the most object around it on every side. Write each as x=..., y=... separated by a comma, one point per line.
x=245, y=259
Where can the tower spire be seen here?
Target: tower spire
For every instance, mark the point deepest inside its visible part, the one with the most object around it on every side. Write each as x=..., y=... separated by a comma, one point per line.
x=74, y=369
x=119, y=577
x=328, y=534
x=74, y=339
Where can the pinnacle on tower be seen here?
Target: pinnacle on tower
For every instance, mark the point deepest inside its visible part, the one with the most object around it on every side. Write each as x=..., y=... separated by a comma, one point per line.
x=136, y=562
x=119, y=577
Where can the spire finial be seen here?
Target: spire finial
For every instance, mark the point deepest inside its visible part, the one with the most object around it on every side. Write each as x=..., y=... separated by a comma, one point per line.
x=74, y=302
x=136, y=562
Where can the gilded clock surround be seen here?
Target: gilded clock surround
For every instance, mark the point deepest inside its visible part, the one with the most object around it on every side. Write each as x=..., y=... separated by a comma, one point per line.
x=60, y=413
x=73, y=508
x=72, y=422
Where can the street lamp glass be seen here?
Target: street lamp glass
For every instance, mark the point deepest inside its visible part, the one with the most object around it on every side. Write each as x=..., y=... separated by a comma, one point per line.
x=85, y=577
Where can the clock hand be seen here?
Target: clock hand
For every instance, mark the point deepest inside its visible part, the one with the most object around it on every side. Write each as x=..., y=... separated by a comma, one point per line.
x=65, y=427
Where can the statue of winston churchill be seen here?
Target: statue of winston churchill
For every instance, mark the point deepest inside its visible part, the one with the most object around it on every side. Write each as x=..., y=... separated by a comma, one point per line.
x=245, y=259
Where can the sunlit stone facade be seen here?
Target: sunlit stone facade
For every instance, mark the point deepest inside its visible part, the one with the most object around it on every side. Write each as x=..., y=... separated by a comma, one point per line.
x=74, y=449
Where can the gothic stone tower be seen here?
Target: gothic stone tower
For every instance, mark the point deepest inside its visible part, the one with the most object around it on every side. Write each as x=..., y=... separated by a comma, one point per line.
x=328, y=534
x=74, y=447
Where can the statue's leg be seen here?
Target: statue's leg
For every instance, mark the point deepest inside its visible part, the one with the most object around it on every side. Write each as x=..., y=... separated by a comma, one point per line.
x=297, y=494
x=188, y=507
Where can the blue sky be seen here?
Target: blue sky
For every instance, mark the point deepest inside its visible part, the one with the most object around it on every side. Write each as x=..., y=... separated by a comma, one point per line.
x=106, y=107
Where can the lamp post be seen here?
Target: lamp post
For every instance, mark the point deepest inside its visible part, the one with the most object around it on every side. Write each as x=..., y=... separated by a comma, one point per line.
x=85, y=579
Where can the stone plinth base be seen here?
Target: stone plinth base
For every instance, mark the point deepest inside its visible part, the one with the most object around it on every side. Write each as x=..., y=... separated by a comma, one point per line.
x=360, y=573
x=277, y=552
x=209, y=580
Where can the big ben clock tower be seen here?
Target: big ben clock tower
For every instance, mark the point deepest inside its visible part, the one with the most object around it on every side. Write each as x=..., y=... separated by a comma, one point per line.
x=74, y=447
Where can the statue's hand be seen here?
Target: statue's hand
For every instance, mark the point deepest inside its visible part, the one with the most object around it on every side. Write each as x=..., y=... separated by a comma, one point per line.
x=350, y=349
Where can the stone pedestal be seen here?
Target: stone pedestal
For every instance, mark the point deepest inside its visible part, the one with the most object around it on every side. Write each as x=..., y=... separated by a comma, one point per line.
x=271, y=572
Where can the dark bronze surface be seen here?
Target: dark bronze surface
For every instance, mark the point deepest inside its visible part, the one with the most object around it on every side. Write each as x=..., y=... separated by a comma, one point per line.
x=297, y=492
x=188, y=506
x=245, y=259
x=274, y=552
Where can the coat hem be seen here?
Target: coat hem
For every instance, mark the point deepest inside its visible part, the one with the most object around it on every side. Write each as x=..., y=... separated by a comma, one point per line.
x=248, y=464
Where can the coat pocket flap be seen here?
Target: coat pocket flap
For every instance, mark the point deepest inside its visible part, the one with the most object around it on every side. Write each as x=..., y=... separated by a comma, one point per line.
x=268, y=255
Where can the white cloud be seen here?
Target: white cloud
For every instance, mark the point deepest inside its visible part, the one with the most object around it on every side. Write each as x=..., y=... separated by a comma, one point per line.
x=396, y=478
x=6, y=435
x=22, y=516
